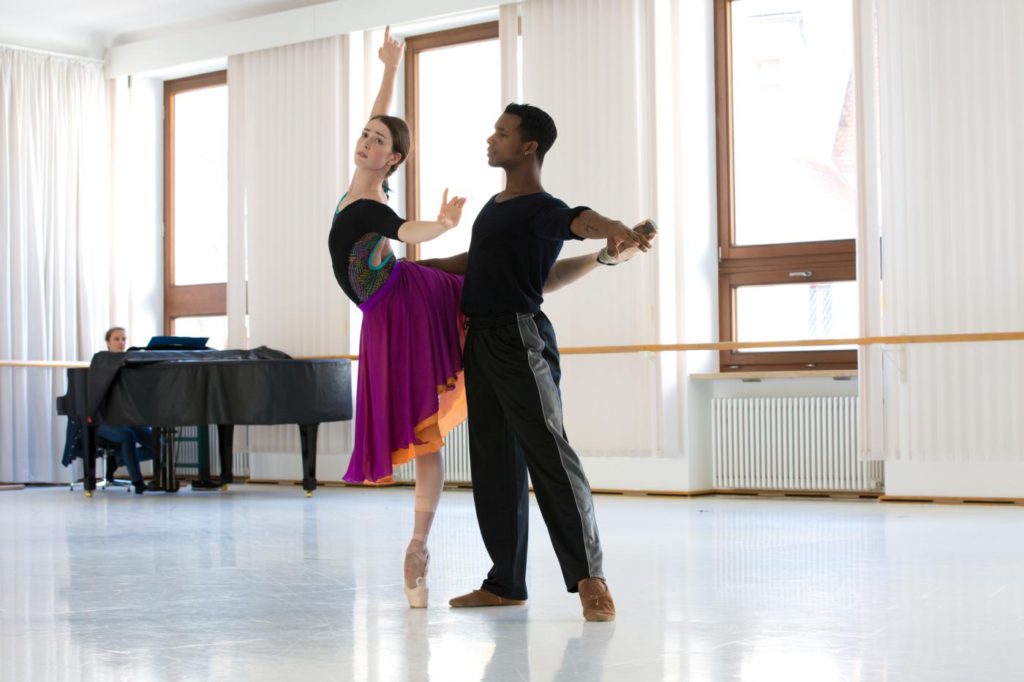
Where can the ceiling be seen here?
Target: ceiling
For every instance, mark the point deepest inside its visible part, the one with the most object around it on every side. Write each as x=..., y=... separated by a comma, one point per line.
x=88, y=27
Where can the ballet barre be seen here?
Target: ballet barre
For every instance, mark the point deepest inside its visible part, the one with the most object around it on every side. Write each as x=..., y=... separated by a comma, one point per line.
x=891, y=340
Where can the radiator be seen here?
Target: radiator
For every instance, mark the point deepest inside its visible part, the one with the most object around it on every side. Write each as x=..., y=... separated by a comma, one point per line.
x=186, y=454
x=456, y=459
x=789, y=444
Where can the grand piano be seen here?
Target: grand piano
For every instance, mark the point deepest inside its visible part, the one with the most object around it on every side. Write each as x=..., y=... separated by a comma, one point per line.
x=170, y=388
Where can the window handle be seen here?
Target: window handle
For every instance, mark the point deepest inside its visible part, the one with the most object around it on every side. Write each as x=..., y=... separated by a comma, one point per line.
x=801, y=273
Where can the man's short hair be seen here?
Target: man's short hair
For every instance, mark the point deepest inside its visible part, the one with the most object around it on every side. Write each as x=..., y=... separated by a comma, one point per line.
x=535, y=125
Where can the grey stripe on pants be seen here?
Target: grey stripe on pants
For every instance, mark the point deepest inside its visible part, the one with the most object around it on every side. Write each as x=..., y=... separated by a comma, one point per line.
x=551, y=402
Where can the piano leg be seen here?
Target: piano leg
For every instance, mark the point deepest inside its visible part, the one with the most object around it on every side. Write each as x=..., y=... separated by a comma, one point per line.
x=160, y=438
x=155, y=443
x=171, y=484
x=307, y=435
x=226, y=443
x=164, y=477
x=204, y=481
x=89, y=459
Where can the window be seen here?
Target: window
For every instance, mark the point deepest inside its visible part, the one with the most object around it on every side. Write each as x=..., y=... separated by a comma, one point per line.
x=450, y=126
x=787, y=179
x=212, y=327
x=195, y=206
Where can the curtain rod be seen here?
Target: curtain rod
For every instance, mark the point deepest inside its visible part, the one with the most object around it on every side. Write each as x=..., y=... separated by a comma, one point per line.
x=50, y=53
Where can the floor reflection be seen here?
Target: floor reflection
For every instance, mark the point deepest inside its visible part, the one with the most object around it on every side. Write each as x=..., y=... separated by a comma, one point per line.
x=260, y=583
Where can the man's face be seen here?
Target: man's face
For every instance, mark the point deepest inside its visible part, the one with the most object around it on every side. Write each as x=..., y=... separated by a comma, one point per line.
x=505, y=148
x=118, y=341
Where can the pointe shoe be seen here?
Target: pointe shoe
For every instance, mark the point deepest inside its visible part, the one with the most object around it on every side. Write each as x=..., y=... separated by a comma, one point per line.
x=417, y=596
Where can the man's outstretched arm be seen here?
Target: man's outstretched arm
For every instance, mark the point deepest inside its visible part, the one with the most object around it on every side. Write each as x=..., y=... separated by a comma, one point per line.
x=568, y=270
x=454, y=264
x=590, y=224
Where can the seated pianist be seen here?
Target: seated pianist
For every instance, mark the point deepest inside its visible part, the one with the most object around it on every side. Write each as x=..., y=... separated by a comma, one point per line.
x=134, y=443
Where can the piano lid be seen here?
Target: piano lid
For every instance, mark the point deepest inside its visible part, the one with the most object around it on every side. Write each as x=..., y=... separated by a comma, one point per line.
x=104, y=367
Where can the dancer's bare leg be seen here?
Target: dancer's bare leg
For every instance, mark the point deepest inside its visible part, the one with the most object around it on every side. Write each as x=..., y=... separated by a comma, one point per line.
x=429, y=482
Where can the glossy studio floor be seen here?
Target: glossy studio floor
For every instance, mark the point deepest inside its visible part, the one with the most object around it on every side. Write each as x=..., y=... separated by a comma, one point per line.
x=259, y=583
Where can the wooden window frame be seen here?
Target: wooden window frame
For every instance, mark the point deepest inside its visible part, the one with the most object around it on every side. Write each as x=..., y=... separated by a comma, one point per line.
x=414, y=45
x=194, y=300
x=827, y=261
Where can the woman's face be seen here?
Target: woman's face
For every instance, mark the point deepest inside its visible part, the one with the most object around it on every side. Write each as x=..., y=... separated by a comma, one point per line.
x=118, y=341
x=374, y=149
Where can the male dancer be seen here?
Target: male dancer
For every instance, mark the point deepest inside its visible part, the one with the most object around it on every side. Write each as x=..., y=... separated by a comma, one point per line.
x=512, y=370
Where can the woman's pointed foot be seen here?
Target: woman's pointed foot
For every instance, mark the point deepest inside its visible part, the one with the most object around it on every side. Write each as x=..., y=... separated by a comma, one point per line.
x=416, y=560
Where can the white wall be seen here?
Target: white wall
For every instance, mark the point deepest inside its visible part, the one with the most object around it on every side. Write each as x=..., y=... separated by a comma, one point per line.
x=278, y=29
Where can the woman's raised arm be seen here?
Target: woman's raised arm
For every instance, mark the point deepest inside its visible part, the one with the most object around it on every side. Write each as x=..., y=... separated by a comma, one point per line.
x=391, y=54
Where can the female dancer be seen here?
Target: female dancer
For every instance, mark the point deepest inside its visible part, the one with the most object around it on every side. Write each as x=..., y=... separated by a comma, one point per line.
x=409, y=390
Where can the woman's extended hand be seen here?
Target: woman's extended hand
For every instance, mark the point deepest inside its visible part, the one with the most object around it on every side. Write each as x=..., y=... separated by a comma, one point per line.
x=622, y=239
x=451, y=211
x=391, y=51
x=646, y=227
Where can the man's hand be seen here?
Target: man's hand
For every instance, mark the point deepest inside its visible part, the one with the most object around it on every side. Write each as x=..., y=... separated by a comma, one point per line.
x=590, y=224
x=647, y=229
x=621, y=239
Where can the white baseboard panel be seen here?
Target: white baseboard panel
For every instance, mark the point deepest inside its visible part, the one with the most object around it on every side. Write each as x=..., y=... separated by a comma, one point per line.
x=646, y=474
x=954, y=479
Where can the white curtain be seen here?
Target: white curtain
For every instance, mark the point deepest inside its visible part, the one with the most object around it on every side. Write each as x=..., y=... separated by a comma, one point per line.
x=952, y=223
x=136, y=247
x=508, y=37
x=54, y=245
x=288, y=161
x=870, y=359
x=682, y=143
x=630, y=85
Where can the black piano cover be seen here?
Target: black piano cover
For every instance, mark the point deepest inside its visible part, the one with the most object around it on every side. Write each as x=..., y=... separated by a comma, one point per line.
x=176, y=388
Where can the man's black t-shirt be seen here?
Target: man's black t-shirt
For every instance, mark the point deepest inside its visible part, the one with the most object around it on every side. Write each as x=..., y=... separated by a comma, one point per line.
x=513, y=246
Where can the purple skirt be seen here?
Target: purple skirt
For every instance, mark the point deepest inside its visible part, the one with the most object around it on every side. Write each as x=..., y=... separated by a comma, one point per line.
x=409, y=389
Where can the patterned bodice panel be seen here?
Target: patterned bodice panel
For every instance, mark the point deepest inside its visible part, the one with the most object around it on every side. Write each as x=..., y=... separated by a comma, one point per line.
x=364, y=278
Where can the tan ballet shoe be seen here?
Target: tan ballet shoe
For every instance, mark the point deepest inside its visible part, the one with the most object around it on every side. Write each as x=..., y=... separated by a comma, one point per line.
x=482, y=598
x=417, y=595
